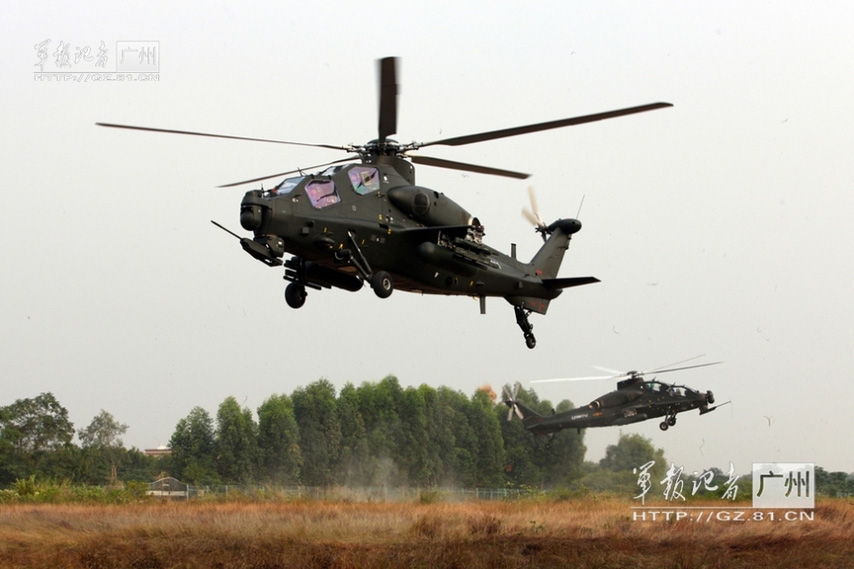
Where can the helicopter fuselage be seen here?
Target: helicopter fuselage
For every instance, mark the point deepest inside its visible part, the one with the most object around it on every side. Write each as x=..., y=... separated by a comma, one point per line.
x=351, y=221
x=639, y=401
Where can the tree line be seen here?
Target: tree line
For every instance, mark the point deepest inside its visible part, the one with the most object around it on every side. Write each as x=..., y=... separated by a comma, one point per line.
x=374, y=434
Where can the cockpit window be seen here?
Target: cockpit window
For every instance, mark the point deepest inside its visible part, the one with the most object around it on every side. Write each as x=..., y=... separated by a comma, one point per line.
x=364, y=179
x=331, y=170
x=286, y=186
x=322, y=193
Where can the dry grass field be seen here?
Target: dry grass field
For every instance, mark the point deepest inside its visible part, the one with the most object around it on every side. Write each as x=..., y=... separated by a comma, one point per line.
x=467, y=535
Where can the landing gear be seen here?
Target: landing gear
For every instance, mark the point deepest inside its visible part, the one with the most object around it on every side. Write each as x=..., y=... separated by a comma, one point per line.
x=382, y=284
x=527, y=327
x=381, y=281
x=295, y=295
x=668, y=422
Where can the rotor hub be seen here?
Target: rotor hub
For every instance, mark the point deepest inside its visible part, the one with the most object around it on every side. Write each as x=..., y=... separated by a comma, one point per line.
x=387, y=147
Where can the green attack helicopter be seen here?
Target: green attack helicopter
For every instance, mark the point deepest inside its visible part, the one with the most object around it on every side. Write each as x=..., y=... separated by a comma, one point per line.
x=634, y=400
x=364, y=219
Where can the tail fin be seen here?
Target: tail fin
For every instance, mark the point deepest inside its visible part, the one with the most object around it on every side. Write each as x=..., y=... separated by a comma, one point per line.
x=547, y=261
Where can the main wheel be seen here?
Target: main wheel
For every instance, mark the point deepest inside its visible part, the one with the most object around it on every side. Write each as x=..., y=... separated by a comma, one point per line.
x=663, y=426
x=382, y=284
x=530, y=341
x=671, y=421
x=295, y=295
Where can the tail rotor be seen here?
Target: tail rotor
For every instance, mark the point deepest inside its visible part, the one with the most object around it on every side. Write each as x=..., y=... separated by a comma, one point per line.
x=510, y=401
x=533, y=214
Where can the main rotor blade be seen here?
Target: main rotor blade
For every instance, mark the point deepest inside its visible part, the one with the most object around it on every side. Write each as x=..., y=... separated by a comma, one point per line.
x=620, y=375
x=191, y=133
x=348, y=159
x=387, y=69
x=589, y=378
x=442, y=163
x=515, y=131
x=673, y=364
x=687, y=367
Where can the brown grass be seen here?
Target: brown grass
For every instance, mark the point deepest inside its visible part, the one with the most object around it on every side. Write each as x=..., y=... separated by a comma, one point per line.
x=469, y=535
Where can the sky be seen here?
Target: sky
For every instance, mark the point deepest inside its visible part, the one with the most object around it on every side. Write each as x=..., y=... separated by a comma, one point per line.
x=718, y=227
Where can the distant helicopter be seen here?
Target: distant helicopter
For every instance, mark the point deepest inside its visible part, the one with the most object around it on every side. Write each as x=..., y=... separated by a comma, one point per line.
x=634, y=400
x=368, y=222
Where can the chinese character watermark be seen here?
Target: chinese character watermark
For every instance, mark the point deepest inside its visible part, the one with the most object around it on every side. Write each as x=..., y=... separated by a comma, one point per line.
x=783, y=485
x=68, y=61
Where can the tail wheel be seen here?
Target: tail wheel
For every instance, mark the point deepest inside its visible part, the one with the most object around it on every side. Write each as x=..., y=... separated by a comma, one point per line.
x=530, y=341
x=382, y=284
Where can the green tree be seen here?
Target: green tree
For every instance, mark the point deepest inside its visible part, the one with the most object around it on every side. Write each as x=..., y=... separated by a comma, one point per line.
x=439, y=443
x=31, y=430
x=378, y=407
x=457, y=440
x=833, y=484
x=279, y=454
x=236, y=442
x=413, y=456
x=631, y=452
x=36, y=425
x=489, y=452
x=355, y=455
x=104, y=432
x=193, y=448
x=102, y=453
x=565, y=456
x=319, y=433
x=618, y=469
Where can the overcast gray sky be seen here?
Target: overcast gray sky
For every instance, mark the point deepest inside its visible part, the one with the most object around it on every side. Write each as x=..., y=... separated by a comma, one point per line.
x=720, y=226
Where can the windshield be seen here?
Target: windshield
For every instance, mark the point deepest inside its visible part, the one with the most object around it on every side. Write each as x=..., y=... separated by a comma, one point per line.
x=287, y=185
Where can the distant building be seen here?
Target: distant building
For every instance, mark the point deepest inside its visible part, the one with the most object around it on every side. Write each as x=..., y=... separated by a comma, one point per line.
x=159, y=451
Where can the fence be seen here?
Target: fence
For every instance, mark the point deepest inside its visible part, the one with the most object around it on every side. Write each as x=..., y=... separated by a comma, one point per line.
x=173, y=489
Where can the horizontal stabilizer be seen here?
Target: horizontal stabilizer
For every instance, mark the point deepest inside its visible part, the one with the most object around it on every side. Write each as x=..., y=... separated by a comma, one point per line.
x=568, y=282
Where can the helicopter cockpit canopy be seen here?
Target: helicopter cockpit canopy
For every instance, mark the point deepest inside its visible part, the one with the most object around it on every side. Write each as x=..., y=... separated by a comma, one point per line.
x=672, y=390
x=322, y=190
